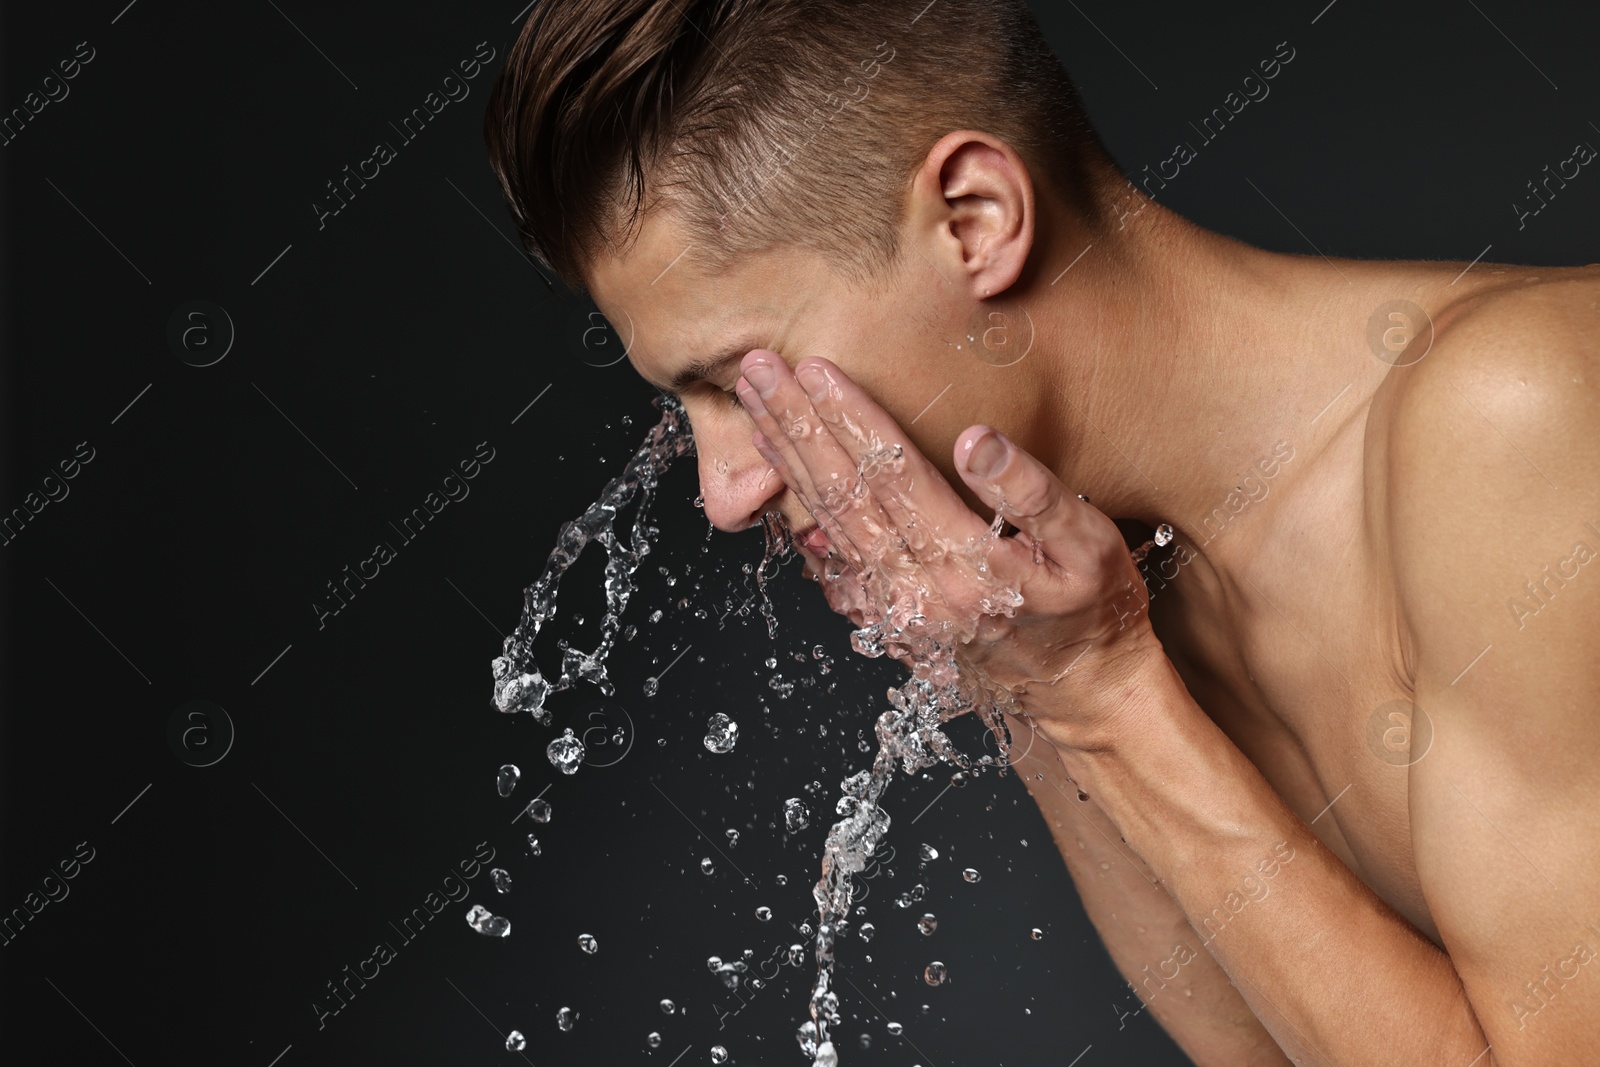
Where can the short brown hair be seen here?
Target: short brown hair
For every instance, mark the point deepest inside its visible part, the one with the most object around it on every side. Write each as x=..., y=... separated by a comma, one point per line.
x=764, y=122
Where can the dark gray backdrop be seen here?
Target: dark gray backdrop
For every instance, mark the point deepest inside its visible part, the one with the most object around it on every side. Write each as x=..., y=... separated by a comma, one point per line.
x=371, y=354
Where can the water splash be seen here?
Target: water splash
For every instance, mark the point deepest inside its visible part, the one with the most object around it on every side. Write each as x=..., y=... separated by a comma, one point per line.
x=896, y=608
x=486, y=923
x=779, y=547
x=519, y=685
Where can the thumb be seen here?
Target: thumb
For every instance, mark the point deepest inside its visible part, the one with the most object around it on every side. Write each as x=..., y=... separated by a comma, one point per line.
x=1024, y=490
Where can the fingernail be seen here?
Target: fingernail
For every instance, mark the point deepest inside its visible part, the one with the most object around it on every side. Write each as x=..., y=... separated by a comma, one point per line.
x=813, y=381
x=761, y=374
x=988, y=455
x=747, y=396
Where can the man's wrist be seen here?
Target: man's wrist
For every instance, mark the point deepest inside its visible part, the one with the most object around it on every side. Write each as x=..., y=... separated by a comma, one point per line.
x=1117, y=695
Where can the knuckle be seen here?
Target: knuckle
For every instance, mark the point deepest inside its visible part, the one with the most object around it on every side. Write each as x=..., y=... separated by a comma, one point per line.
x=1033, y=494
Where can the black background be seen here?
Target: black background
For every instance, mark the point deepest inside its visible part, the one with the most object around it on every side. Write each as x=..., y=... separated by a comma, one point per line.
x=374, y=354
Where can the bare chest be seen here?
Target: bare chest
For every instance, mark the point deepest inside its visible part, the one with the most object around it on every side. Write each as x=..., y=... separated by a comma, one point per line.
x=1297, y=659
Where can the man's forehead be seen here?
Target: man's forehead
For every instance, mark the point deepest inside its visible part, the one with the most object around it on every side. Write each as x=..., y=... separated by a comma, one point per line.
x=677, y=311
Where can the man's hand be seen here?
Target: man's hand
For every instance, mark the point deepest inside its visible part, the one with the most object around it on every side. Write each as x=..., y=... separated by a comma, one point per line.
x=914, y=566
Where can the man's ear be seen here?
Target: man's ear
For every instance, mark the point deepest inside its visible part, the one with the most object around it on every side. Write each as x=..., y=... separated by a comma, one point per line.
x=972, y=201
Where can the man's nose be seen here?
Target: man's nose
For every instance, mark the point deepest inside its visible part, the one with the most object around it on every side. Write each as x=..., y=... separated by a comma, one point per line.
x=736, y=484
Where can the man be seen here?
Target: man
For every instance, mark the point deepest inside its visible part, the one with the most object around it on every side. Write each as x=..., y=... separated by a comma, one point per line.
x=1324, y=770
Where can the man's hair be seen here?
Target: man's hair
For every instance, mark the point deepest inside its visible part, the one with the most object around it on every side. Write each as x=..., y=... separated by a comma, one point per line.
x=765, y=122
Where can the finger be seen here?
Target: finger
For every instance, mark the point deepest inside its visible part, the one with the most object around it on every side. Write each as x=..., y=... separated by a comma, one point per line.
x=1027, y=492
x=911, y=491
x=823, y=474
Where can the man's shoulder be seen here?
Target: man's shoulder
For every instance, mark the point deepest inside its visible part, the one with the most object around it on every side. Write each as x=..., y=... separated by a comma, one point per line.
x=1521, y=358
x=1493, y=443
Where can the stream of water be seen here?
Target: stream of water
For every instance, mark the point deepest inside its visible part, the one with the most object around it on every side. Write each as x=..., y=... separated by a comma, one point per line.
x=909, y=733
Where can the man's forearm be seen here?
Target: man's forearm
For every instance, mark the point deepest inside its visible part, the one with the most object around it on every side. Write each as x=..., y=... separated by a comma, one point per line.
x=1146, y=933
x=1332, y=971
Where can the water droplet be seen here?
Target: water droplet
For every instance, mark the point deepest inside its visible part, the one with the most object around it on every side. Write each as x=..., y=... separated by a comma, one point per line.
x=719, y=1054
x=1163, y=535
x=1082, y=795
x=1036, y=933
x=934, y=973
x=652, y=685
x=589, y=945
x=763, y=914
x=807, y=1037
x=566, y=1018
x=895, y=1028
x=866, y=1041
x=722, y=733
x=655, y=616
x=533, y=845
x=928, y=853
x=706, y=866
x=490, y=925
x=797, y=955
x=927, y=924
x=539, y=810
x=866, y=931
x=506, y=780
x=653, y=1039
x=565, y=753
x=958, y=779
x=515, y=1042
x=501, y=880
x=782, y=879
x=795, y=815
x=733, y=838
x=667, y=1007
x=971, y=874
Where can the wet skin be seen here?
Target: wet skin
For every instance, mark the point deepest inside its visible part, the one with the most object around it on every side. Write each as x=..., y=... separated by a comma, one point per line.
x=1229, y=725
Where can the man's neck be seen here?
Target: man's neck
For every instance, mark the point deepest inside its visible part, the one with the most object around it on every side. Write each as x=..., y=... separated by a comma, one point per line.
x=1178, y=358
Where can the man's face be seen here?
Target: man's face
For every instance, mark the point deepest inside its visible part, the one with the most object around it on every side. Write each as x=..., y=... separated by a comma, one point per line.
x=897, y=339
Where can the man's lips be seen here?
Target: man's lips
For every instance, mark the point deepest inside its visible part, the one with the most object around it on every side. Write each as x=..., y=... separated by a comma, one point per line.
x=814, y=541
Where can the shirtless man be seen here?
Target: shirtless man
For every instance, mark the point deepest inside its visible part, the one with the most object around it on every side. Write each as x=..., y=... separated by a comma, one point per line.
x=1326, y=769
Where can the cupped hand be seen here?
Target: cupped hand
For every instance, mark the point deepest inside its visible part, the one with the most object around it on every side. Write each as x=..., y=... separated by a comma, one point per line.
x=924, y=575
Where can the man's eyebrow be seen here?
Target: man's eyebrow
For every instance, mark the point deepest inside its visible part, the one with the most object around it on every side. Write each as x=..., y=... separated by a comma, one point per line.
x=706, y=367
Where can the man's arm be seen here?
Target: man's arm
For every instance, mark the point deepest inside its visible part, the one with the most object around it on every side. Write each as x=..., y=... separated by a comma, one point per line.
x=1146, y=933
x=1493, y=464
x=1500, y=445
x=1334, y=973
